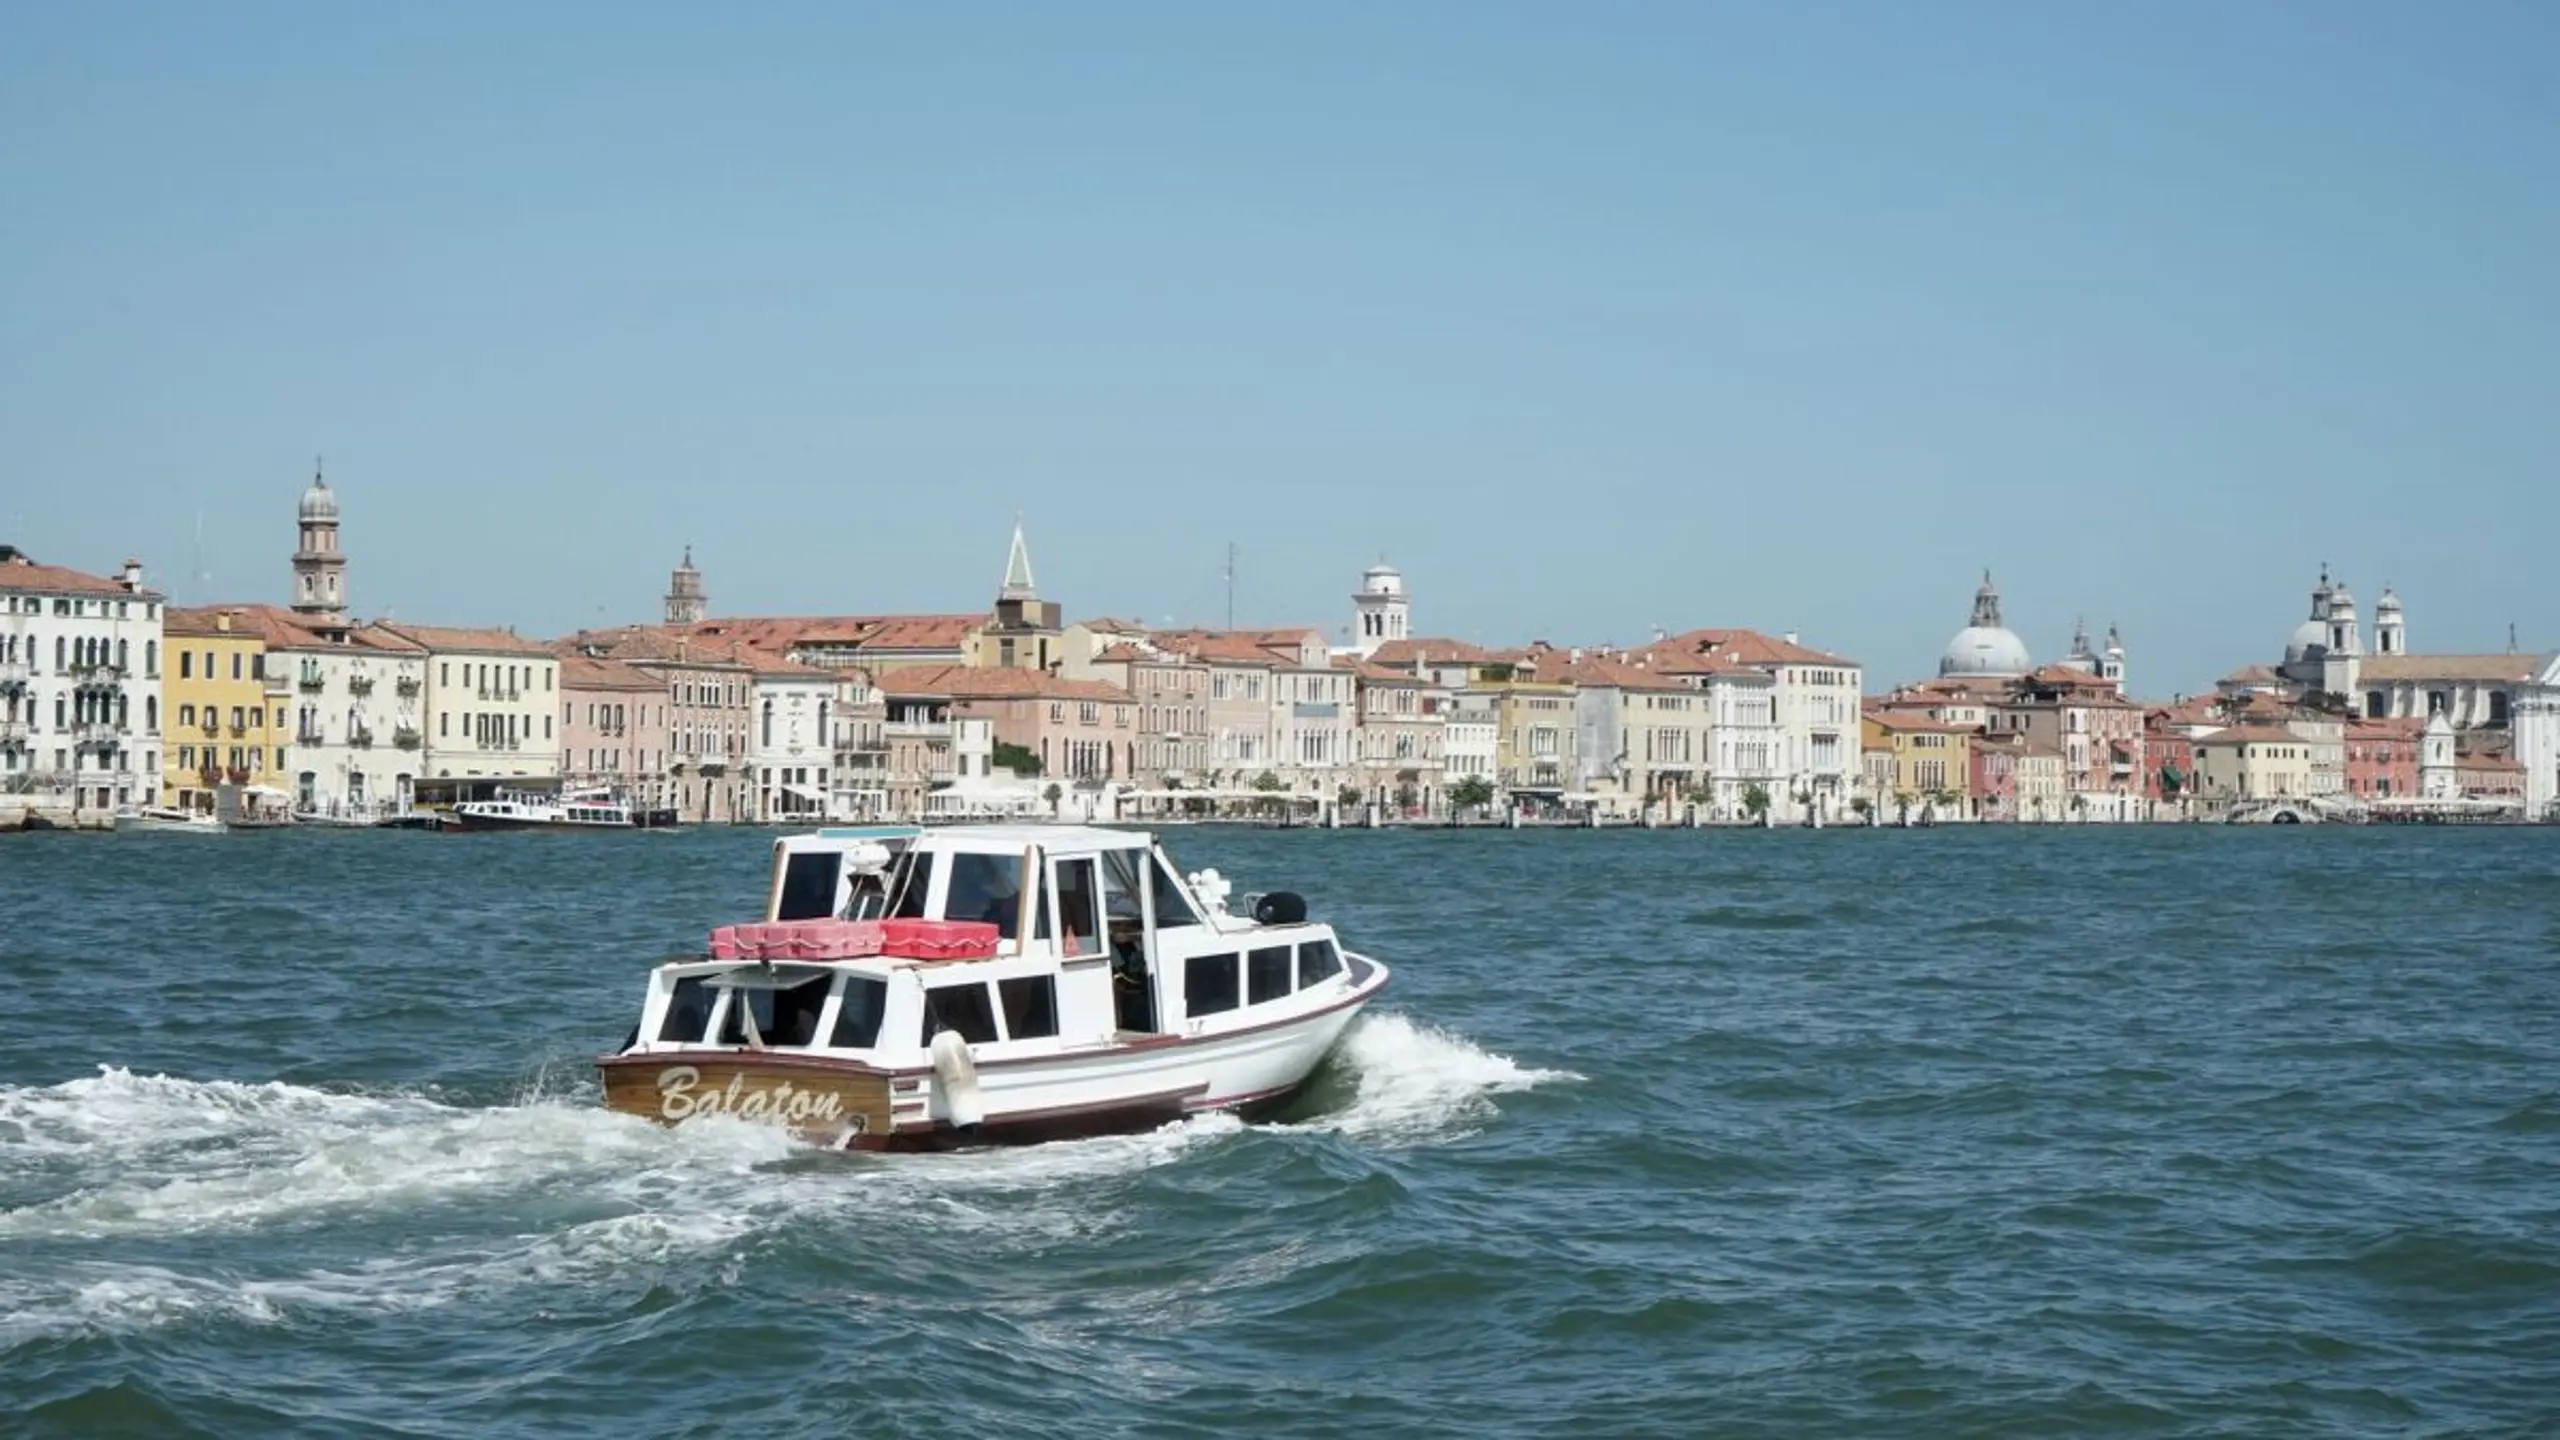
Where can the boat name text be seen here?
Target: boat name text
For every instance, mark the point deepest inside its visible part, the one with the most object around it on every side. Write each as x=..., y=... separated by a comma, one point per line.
x=681, y=1096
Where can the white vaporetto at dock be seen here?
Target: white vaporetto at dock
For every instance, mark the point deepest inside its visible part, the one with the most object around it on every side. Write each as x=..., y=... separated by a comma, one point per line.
x=917, y=988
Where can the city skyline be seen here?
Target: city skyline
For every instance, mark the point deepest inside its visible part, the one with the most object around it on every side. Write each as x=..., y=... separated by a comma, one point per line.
x=1790, y=320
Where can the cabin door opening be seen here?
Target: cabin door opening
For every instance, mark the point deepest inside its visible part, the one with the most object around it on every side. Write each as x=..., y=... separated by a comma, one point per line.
x=1124, y=928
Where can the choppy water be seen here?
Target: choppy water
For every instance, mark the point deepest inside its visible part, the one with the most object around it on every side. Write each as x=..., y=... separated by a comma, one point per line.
x=2064, y=1132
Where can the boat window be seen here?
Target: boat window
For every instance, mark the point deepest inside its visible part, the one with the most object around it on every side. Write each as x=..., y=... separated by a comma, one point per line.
x=986, y=888
x=743, y=1004
x=1266, y=974
x=688, y=1011
x=1121, y=908
x=1079, y=917
x=809, y=886
x=1173, y=904
x=1317, y=960
x=959, y=1007
x=914, y=885
x=1208, y=984
x=795, y=1016
x=866, y=897
x=1030, y=1006
x=858, y=1018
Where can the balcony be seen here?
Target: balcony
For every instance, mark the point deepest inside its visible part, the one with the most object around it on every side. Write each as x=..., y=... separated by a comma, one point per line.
x=13, y=734
x=312, y=681
x=95, y=735
x=406, y=687
x=310, y=735
x=14, y=675
x=359, y=684
x=361, y=739
x=499, y=692
x=406, y=737
x=96, y=677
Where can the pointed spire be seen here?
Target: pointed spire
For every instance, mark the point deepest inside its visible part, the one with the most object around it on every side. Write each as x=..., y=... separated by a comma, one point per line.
x=1017, y=566
x=319, y=473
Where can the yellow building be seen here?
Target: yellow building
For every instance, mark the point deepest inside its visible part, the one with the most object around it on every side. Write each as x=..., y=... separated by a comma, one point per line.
x=1931, y=761
x=214, y=701
x=1536, y=736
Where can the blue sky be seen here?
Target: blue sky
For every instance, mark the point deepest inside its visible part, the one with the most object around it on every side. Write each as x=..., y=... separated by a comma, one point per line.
x=1592, y=318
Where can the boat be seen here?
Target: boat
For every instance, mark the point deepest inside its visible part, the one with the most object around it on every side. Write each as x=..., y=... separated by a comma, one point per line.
x=526, y=810
x=252, y=807
x=914, y=987
x=167, y=820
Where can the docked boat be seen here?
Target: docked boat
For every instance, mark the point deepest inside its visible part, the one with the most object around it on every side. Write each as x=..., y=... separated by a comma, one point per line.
x=167, y=819
x=524, y=810
x=914, y=988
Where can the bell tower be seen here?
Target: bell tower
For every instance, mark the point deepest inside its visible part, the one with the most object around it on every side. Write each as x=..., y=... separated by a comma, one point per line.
x=1380, y=610
x=319, y=566
x=686, y=604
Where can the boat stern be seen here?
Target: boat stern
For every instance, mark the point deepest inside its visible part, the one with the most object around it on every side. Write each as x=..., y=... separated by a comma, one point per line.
x=837, y=1106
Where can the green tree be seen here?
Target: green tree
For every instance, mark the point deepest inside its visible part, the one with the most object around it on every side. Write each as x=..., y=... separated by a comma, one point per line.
x=1350, y=797
x=1053, y=795
x=1268, y=783
x=1755, y=800
x=1473, y=793
x=1016, y=758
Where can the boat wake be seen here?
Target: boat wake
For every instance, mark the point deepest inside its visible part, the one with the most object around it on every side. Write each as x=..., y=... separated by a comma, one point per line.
x=116, y=1189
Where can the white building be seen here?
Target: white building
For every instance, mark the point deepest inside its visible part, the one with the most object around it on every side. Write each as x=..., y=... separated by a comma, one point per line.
x=356, y=693
x=2490, y=700
x=79, y=684
x=1470, y=747
x=790, y=738
x=491, y=711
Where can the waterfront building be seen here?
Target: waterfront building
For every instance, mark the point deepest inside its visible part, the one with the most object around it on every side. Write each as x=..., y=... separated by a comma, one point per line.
x=1644, y=742
x=1992, y=785
x=2107, y=664
x=790, y=754
x=1536, y=739
x=2097, y=731
x=708, y=690
x=1814, y=700
x=217, y=725
x=1932, y=763
x=858, y=782
x=2253, y=762
x=2438, y=778
x=1401, y=730
x=1381, y=611
x=917, y=726
x=491, y=709
x=1175, y=739
x=1470, y=744
x=1083, y=733
x=2495, y=702
x=1449, y=664
x=2042, y=794
x=80, y=678
x=2382, y=758
x=613, y=730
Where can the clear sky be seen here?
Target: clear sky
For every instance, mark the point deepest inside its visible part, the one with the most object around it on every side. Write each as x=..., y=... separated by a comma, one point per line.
x=1591, y=317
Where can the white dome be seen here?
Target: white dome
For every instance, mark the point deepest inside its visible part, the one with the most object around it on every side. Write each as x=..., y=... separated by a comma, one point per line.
x=2309, y=638
x=1985, y=650
x=1382, y=579
x=318, y=503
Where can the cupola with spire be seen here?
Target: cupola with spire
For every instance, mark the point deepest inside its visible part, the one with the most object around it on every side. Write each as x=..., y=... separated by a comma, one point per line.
x=1985, y=648
x=686, y=602
x=319, y=566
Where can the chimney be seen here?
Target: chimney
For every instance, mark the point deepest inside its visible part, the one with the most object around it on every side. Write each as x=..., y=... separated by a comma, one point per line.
x=132, y=573
x=1791, y=637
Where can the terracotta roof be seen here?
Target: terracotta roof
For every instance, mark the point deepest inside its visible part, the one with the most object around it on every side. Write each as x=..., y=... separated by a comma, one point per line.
x=1124, y=653
x=1414, y=652
x=1748, y=646
x=1234, y=647
x=577, y=672
x=2250, y=735
x=964, y=682
x=22, y=576
x=2250, y=675
x=2398, y=727
x=1914, y=724
x=2491, y=763
x=283, y=629
x=1600, y=671
x=214, y=622
x=646, y=644
x=2417, y=669
x=463, y=639
x=777, y=633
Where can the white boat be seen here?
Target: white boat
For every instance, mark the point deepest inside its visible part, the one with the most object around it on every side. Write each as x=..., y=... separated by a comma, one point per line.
x=524, y=810
x=167, y=819
x=913, y=988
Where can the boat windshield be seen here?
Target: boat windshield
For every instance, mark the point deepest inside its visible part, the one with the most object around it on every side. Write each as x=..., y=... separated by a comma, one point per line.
x=757, y=1006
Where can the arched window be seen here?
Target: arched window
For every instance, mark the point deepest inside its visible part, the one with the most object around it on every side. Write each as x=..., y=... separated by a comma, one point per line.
x=151, y=713
x=2497, y=707
x=768, y=721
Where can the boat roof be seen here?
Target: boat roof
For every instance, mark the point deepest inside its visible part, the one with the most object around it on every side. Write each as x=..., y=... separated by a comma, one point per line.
x=1055, y=839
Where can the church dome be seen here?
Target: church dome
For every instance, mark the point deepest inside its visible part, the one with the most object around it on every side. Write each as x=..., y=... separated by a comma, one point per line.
x=1985, y=650
x=2389, y=604
x=1382, y=579
x=318, y=503
x=2310, y=640
x=1985, y=646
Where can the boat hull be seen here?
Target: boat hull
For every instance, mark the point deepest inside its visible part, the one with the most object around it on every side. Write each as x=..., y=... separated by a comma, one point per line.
x=1134, y=1085
x=474, y=824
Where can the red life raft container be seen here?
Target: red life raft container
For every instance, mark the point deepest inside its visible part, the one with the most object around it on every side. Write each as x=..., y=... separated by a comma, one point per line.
x=797, y=940
x=939, y=939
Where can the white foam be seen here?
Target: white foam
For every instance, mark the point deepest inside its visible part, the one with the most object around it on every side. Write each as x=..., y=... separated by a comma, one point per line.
x=1415, y=1082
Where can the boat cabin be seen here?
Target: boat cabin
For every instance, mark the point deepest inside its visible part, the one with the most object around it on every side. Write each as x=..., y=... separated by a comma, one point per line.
x=1098, y=940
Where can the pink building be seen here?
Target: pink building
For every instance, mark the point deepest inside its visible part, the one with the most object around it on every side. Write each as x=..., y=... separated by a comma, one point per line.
x=1077, y=729
x=613, y=728
x=2382, y=758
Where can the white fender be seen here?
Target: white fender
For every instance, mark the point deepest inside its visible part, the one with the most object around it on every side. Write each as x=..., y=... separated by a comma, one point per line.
x=957, y=1074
